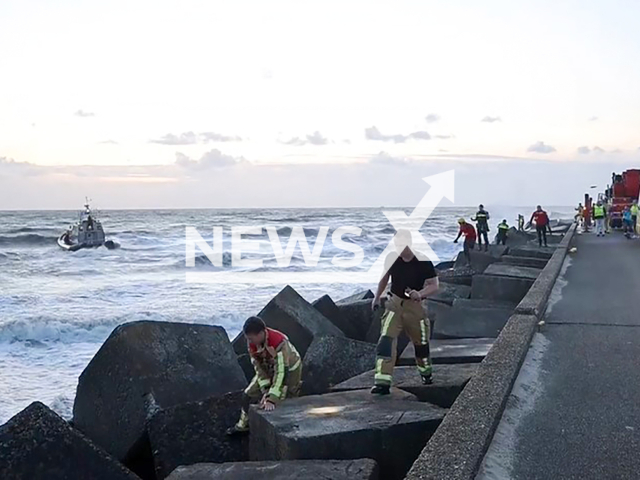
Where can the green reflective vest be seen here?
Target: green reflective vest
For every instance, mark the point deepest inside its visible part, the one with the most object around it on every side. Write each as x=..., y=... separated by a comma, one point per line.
x=634, y=210
x=503, y=226
x=598, y=211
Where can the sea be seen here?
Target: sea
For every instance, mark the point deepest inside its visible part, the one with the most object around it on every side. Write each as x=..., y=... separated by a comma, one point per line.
x=58, y=307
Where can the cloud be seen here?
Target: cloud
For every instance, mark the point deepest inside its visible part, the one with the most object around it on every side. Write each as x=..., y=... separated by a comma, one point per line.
x=191, y=138
x=372, y=133
x=584, y=150
x=443, y=137
x=541, y=147
x=10, y=166
x=432, y=118
x=211, y=159
x=489, y=119
x=186, y=138
x=383, y=158
x=316, y=138
x=219, y=137
x=83, y=114
x=108, y=142
x=593, y=119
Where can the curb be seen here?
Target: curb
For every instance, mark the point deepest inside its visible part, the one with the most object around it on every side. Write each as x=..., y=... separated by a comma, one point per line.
x=536, y=299
x=457, y=448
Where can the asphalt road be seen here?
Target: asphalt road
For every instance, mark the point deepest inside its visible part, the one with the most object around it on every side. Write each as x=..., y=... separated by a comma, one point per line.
x=583, y=420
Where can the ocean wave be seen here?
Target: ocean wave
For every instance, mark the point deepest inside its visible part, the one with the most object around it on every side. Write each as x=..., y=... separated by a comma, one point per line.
x=33, y=239
x=39, y=330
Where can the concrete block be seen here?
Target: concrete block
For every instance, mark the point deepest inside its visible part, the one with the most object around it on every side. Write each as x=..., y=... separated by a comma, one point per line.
x=532, y=251
x=445, y=265
x=524, y=261
x=483, y=303
x=497, y=287
x=480, y=259
x=361, y=469
x=296, y=318
x=356, y=296
x=448, y=382
x=357, y=318
x=451, y=351
x=461, y=276
x=331, y=360
x=328, y=308
x=174, y=362
x=470, y=322
x=196, y=432
x=448, y=292
x=36, y=444
x=346, y=425
x=513, y=271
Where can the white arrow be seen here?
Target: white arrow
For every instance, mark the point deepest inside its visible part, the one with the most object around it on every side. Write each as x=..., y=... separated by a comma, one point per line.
x=442, y=186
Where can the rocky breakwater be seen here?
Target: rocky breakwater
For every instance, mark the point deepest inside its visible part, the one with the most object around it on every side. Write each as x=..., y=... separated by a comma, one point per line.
x=156, y=399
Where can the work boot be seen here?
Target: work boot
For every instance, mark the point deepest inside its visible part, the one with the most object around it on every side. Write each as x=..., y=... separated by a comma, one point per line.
x=236, y=431
x=427, y=379
x=380, y=390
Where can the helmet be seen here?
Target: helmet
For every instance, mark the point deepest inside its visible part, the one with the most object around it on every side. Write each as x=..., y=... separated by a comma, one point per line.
x=461, y=221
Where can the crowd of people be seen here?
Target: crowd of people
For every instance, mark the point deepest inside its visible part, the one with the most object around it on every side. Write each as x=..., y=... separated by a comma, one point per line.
x=480, y=232
x=604, y=217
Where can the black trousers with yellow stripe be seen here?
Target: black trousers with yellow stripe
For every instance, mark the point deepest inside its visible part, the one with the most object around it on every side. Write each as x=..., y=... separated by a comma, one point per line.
x=410, y=316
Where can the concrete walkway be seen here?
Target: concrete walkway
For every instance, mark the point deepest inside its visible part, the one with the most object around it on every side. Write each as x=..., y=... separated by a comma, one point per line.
x=574, y=412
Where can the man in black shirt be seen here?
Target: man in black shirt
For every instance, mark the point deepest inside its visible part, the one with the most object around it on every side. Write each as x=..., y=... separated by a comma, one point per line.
x=412, y=281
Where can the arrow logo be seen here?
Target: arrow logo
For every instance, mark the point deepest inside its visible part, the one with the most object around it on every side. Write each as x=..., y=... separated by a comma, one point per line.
x=408, y=227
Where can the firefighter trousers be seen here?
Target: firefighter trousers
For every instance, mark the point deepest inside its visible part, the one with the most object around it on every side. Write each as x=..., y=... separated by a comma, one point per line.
x=410, y=316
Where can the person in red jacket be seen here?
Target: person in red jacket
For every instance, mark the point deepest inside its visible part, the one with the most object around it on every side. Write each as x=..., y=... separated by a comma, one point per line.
x=278, y=370
x=541, y=219
x=469, y=233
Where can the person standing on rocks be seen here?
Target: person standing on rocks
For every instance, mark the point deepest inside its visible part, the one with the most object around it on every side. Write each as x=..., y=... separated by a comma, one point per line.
x=520, y=223
x=278, y=370
x=469, y=233
x=482, y=225
x=541, y=219
x=503, y=228
x=413, y=279
x=599, y=216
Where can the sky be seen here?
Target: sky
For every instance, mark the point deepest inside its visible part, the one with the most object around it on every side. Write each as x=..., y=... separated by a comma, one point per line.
x=199, y=104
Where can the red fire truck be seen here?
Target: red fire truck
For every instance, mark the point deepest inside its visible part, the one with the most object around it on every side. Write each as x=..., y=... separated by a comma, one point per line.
x=622, y=192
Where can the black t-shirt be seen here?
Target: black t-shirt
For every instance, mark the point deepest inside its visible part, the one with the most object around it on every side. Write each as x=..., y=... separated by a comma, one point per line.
x=410, y=274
